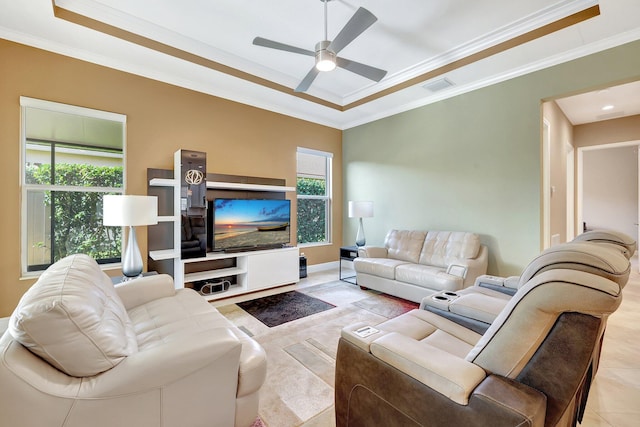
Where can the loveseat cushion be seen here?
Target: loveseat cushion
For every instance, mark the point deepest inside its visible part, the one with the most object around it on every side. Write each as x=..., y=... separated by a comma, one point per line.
x=73, y=318
x=428, y=276
x=381, y=267
x=442, y=248
x=404, y=245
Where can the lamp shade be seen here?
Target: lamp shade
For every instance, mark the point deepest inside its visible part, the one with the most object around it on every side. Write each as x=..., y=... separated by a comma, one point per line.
x=360, y=209
x=121, y=210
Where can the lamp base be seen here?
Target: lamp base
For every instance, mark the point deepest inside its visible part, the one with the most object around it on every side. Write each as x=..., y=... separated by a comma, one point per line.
x=360, y=239
x=131, y=259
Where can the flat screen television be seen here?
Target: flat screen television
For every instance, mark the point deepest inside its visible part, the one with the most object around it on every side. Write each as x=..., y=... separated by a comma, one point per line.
x=236, y=224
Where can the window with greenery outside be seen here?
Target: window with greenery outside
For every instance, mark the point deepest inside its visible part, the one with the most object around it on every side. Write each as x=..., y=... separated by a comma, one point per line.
x=312, y=212
x=74, y=216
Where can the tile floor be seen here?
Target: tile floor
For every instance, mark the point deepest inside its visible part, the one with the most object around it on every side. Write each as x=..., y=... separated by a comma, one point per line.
x=614, y=400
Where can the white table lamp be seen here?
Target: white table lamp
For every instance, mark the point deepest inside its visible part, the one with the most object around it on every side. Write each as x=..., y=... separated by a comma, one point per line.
x=360, y=209
x=131, y=211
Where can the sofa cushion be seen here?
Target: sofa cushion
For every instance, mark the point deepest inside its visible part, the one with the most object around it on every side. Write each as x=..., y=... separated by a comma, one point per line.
x=428, y=276
x=382, y=267
x=442, y=248
x=73, y=318
x=404, y=245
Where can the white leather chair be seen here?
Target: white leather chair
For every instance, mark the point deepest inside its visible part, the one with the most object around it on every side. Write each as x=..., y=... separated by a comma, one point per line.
x=80, y=352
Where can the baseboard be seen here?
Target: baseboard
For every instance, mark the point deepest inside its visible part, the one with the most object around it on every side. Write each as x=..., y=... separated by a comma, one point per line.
x=322, y=267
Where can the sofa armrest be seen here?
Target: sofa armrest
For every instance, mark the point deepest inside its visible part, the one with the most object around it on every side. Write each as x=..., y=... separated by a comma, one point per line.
x=145, y=289
x=475, y=267
x=372, y=252
x=445, y=373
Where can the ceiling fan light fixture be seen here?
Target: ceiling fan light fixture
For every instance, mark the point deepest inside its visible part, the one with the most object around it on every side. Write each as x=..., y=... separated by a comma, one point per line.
x=325, y=59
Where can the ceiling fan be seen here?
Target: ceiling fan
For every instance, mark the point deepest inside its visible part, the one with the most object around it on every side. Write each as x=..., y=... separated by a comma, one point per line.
x=326, y=51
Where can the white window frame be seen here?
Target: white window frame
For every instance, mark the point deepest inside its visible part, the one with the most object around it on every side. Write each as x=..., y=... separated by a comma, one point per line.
x=328, y=197
x=26, y=102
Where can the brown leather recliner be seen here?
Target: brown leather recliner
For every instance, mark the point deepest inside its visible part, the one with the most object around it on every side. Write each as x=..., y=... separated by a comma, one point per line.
x=532, y=367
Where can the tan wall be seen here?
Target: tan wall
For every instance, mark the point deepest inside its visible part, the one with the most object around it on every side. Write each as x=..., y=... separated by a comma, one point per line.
x=161, y=119
x=606, y=132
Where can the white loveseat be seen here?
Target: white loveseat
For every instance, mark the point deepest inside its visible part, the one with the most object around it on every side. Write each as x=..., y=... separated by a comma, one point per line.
x=80, y=352
x=415, y=264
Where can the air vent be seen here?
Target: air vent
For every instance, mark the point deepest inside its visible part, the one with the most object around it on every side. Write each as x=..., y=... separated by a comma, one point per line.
x=438, y=84
x=610, y=115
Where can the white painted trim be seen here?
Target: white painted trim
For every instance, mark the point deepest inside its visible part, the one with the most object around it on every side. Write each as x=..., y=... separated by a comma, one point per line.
x=570, y=187
x=315, y=268
x=546, y=184
x=71, y=109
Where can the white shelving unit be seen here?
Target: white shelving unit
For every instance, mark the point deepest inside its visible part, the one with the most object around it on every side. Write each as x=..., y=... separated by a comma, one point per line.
x=252, y=270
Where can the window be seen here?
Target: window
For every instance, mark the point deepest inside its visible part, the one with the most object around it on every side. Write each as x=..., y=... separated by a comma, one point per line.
x=314, y=196
x=71, y=157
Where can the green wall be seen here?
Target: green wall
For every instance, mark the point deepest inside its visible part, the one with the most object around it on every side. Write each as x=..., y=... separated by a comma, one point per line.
x=471, y=162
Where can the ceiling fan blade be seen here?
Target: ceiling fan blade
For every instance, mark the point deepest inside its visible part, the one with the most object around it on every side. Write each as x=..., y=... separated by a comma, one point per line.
x=360, y=21
x=259, y=41
x=372, y=73
x=308, y=79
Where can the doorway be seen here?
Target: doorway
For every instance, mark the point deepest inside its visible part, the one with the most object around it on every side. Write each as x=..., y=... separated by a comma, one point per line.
x=608, y=187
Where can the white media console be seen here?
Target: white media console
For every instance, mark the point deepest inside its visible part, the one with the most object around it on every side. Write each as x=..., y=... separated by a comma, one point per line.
x=246, y=271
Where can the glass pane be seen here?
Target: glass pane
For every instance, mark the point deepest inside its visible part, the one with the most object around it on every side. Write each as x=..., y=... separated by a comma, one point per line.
x=312, y=220
x=311, y=186
x=88, y=168
x=312, y=174
x=38, y=229
x=38, y=163
x=78, y=227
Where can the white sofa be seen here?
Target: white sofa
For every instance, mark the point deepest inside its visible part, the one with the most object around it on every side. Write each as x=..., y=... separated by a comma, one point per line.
x=415, y=264
x=80, y=352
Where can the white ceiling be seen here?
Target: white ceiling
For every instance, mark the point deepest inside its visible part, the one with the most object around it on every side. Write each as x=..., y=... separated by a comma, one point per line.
x=410, y=39
x=603, y=104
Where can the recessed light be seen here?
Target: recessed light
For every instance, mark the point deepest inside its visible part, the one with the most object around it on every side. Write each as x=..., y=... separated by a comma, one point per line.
x=607, y=108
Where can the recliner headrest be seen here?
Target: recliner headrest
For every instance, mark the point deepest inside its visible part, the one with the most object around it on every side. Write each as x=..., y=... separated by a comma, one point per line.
x=624, y=242
x=593, y=258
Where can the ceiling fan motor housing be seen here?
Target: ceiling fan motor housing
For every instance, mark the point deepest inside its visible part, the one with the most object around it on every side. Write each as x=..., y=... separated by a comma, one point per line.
x=325, y=59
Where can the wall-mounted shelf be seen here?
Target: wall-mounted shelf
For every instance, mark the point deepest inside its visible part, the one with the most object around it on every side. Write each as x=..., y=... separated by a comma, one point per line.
x=162, y=182
x=169, y=182
x=164, y=254
x=248, y=187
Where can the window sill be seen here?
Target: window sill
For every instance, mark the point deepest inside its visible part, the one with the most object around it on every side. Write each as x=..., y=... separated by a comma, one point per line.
x=314, y=245
x=30, y=275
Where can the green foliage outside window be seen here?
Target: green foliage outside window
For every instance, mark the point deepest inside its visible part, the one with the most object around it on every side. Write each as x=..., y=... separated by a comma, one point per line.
x=77, y=216
x=312, y=213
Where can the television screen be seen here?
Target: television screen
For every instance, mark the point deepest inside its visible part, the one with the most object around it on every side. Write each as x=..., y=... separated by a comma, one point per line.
x=248, y=223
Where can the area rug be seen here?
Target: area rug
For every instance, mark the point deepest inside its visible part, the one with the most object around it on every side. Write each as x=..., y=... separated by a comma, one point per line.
x=277, y=309
x=386, y=305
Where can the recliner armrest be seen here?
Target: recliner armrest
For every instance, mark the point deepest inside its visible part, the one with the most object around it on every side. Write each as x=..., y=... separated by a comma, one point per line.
x=145, y=289
x=515, y=397
x=447, y=374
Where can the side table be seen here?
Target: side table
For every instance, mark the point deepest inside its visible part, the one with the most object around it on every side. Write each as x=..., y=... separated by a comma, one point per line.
x=348, y=253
